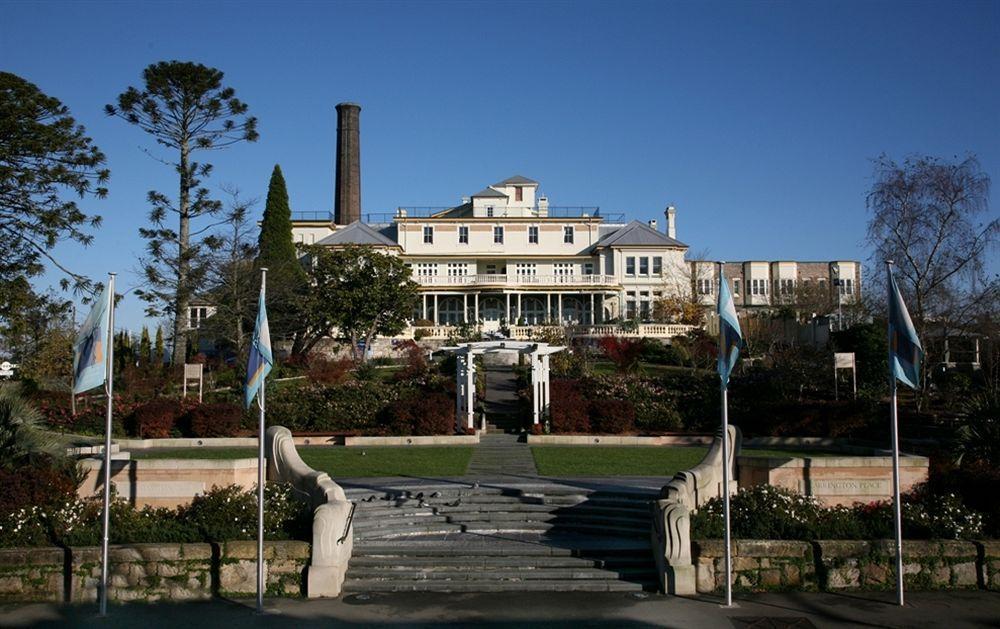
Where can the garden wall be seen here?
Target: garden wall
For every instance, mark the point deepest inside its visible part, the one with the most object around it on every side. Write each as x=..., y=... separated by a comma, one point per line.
x=166, y=482
x=834, y=480
x=151, y=571
x=764, y=565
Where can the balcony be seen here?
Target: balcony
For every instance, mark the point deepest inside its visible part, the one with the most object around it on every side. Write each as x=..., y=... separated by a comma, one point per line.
x=520, y=281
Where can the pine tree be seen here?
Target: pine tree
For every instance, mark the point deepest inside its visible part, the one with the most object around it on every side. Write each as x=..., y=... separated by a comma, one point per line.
x=145, y=348
x=286, y=279
x=158, y=351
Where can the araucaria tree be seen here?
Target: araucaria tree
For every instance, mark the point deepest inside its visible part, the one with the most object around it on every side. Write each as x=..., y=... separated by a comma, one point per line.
x=287, y=282
x=358, y=294
x=927, y=216
x=44, y=153
x=186, y=108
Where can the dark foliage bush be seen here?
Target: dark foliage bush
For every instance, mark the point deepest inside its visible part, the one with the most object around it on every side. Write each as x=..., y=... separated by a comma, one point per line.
x=625, y=353
x=351, y=407
x=568, y=407
x=213, y=420
x=41, y=482
x=155, y=419
x=326, y=371
x=422, y=413
x=612, y=417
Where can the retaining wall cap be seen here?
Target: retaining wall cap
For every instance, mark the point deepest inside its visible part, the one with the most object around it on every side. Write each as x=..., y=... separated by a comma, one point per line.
x=958, y=548
x=773, y=548
x=991, y=547
x=836, y=549
x=708, y=547
x=286, y=549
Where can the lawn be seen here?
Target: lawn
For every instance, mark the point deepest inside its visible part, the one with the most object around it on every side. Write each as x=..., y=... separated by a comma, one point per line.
x=340, y=462
x=633, y=460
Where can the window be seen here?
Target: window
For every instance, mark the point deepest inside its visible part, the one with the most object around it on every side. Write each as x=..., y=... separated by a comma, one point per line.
x=489, y=211
x=524, y=269
x=532, y=234
x=644, y=305
x=643, y=266
x=518, y=193
x=428, y=235
x=198, y=314
x=588, y=268
x=568, y=234
x=787, y=287
x=657, y=265
x=759, y=287
x=705, y=286
x=562, y=268
x=463, y=235
x=736, y=286
x=498, y=235
x=491, y=269
x=427, y=269
x=457, y=268
x=630, y=266
x=630, y=306
x=846, y=287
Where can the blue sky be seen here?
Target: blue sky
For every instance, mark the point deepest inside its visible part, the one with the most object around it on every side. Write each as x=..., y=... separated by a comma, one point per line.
x=756, y=120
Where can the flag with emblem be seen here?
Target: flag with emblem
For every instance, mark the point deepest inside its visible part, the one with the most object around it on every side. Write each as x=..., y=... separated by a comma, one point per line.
x=730, y=337
x=90, y=368
x=905, y=351
x=260, y=361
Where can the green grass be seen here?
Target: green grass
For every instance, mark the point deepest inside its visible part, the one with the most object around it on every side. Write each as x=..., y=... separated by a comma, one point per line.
x=785, y=454
x=342, y=462
x=634, y=460
x=614, y=460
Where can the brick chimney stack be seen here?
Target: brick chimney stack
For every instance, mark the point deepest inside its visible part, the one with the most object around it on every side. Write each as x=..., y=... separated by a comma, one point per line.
x=347, y=189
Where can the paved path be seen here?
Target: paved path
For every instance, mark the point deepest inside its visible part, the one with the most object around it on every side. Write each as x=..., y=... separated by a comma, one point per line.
x=954, y=610
x=500, y=454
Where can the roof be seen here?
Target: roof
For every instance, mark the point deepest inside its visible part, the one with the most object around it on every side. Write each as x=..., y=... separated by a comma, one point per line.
x=357, y=233
x=490, y=192
x=517, y=180
x=638, y=234
x=459, y=211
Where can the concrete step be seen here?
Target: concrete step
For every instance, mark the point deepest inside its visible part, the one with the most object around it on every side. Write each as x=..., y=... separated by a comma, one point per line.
x=561, y=585
x=437, y=549
x=611, y=562
x=381, y=573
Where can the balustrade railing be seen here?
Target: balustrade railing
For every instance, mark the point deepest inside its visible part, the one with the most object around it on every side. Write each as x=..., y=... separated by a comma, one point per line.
x=526, y=332
x=518, y=279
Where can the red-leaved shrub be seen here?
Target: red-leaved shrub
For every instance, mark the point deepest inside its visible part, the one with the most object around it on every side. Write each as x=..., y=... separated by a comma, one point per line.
x=568, y=407
x=624, y=353
x=154, y=420
x=37, y=484
x=325, y=371
x=214, y=420
x=612, y=417
x=423, y=413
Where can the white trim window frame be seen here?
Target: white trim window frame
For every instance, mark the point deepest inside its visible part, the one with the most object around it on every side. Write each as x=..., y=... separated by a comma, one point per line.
x=569, y=235
x=498, y=234
x=532, y=234
x=463, y=234
x=428, y=234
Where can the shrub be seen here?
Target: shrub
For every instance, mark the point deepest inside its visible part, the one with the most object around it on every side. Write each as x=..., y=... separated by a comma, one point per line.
x=568, y=407
x=613, y=417
x=325, y=371
x=230, y=513
x=214, y=420
x=154, y=420
x=41, y=483
x=624, y=353
x=422, y=413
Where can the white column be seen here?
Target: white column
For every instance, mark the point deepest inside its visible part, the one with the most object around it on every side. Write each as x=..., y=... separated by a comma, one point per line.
x=465, y=307
x=592, y=309
x=519, y=315
x=535, y=394
x=548, y=306
x=475, y=306
x=470, y=390
x=424, y=296
x=560, y=314
x=437, y=315
x=507, y=313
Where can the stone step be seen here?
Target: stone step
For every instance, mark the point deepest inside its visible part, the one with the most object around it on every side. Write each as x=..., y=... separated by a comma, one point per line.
x=439, y=549
x=610, y=562
x=561, y=585
x=380, y=573
x=435, y=528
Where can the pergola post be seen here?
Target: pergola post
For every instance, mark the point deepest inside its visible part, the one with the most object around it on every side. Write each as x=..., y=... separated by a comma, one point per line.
x=470, y=389
x=544, y=385
x=536, y=406
x=460, y=360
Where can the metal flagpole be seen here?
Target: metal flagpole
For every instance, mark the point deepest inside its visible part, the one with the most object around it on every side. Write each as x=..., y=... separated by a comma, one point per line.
x=260, y=478
x=894, y=421
x=109, y=389
x=72, y=380
x=725, y=456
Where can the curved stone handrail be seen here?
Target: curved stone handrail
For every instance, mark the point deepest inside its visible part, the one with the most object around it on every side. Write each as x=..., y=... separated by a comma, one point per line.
x=332, y=532
x=688, y=490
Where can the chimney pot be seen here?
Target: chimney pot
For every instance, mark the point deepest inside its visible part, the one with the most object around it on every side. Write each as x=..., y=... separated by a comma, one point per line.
x=652, y=224
x=347, y=193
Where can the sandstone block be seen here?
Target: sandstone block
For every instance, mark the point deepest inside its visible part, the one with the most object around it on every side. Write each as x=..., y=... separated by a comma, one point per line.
x=239, y=577
x=955, y=548
x=875, y=574
x=705, y=577
x=842, y=549
x=964, y=574
x=11, y=585
x=742, y=564
x=770, y=577
x=844, y=578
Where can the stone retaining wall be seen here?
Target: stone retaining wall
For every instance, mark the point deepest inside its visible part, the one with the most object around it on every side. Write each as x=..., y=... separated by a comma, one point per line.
x=151, y=571
x=762, y=565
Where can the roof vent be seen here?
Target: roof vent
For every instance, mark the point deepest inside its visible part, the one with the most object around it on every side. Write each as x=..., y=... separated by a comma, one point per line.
x=652, y=224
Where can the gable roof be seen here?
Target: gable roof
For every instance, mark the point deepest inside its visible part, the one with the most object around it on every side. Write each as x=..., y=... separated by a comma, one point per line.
x=517, y=180
x=357, y=233
x=490, y=192
x=637, y=234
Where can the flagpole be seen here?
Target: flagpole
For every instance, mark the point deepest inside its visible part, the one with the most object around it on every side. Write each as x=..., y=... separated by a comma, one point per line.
x=894, y=427
x=109, y=389
x=260, y=477
x=72, y=380
x=725, y=456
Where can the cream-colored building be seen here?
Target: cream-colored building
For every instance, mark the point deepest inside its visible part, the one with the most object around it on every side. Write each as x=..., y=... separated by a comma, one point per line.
x=505, y=256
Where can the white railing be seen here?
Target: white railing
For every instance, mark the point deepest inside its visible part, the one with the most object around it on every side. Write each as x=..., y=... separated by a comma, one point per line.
x=525, y=332
x=492, y=279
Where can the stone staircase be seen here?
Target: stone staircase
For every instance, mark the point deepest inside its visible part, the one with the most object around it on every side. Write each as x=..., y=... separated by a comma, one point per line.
x=488, y=539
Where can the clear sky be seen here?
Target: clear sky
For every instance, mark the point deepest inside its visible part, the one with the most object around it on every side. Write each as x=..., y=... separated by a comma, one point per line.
x=757, y=120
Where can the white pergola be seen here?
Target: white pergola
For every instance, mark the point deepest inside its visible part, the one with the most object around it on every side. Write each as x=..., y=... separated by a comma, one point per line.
x=465, y=375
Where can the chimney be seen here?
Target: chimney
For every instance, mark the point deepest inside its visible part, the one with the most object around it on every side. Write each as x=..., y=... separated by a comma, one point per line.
x=652, y=224
x=347, y=190
x=671, y=213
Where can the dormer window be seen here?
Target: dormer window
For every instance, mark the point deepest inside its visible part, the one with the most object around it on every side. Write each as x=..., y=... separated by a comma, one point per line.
x=489, y=211
x=518, y=193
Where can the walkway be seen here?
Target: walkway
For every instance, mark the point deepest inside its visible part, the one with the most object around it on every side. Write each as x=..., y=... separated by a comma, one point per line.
x=954, y=610
x=500, y=451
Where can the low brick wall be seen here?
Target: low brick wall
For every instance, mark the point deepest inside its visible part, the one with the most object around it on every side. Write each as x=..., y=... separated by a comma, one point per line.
x=151, y=571
x=828, y=565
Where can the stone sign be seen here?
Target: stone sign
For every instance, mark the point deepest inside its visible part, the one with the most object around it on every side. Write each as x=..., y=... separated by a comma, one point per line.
x=880, y=487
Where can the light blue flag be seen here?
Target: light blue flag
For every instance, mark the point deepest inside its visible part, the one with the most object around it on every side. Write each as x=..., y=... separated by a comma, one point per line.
x=905, y=351
x=260, y=361
x=729, y=333
x=90, y=350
